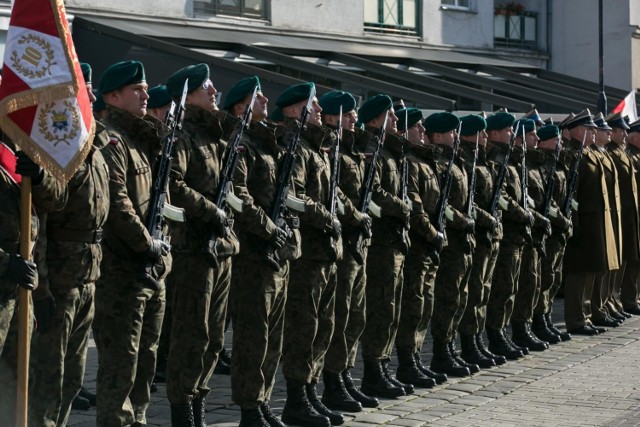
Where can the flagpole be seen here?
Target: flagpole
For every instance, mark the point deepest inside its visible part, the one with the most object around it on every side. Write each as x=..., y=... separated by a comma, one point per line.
x=24, y=308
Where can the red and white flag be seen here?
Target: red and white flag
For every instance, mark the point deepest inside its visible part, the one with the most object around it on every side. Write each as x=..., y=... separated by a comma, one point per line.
x=627, y=107
x=44, y=105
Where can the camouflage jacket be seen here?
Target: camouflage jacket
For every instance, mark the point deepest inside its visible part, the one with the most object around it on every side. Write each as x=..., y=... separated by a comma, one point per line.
x=196, y=171
x=134, y=145
x=537, y=190
x=559, y=222
x=255, y=180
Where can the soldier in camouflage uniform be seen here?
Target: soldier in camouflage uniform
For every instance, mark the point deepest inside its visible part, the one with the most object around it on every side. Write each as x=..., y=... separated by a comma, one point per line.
x=631, y=281
x=128, y=309
x=516, y=220
x=529, y=284
x=199, y=280
x=350, y=303
x=551, y=263
x=488, y=234
x=63, y=303
x=421, y=263
x=389, y=245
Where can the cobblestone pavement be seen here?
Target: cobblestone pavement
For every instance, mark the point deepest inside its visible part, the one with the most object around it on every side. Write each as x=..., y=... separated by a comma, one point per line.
x=588, y=381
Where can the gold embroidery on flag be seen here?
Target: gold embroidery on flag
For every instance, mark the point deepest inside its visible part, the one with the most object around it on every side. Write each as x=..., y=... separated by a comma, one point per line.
x=54, y=124
x=38, y=54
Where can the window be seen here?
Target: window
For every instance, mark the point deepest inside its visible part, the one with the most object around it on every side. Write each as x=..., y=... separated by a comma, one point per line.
x=457, y=4
x=256, y=9
x=516, y=30
x=392, y=16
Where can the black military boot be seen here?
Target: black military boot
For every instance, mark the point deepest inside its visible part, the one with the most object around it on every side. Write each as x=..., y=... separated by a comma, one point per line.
x=252, y=418
x=182, y=415
x=509, y=339
x=270, y=417
x=335, y=417
x=443, y=362
x=199, y=412
x=523, y=338
x=409, y=373
x=91, y=397
x=472, y=367
x=365, y=401
x=541, y=330
x=499, y=345
x=408, y=388
x=498, y=359
x=564, y=336
x=80, y=403
x=471, y=354
x=297, y=409
x=335, y=395
x=374, y=383
x=438, y=377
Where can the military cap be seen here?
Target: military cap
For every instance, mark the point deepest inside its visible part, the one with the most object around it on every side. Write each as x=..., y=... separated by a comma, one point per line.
x=600, y=122
x=441, y=122
x=563, y=123
x=158, y=97
x=548, y=132
x=294, y=94
x=86, y=72
x=549, y=121
x=533, y=115
x=98, y=104
x=627, y=120
x=240, y=90
x=527, y=124
x=615, y=120
x=472, y=124
x=331, y=102
x=373, y=107
x=583, y=118
x=410, y=115
x=197, y=75
x=500, y=120
x=120, y=75
x=634, y=127
x=276, y=115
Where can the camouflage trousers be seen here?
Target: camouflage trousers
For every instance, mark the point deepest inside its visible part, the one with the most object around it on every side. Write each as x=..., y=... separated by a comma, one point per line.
x=350, y=314
x=629, y=292
x=483, y=265
x=450, y=291
x=126, y=328
x=384, y=296
x=257, y=304
x=59, y=356
x=8, y=307
x=417, y=302
x=504, y=286
x=578, y=288
x=199, y=301
x=309, y=318
x=550, y=275
x=528, y=286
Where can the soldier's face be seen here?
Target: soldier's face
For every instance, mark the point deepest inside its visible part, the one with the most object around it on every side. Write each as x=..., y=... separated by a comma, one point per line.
x=349, y=120
x=619, y=136
x=92, y=97
x=204, y=96
x=634, y=139
x=483, y=137
x=315, y=117
x=502, y=135
x=602, y=136
x=531, y=139
x=550, y=144
x=132, y=98
x=416, y=133
x=392, y=122
x=445, y=138
x=260, y=107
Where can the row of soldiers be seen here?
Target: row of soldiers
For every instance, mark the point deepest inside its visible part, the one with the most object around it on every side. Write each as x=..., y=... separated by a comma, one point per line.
x=337, y=229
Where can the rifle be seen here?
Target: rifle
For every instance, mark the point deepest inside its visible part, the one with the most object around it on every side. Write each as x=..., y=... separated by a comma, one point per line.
x=224, y=196
x=158, y=206
x=404, y=183
x=357, y=248
x=333, y=186
x=573, y=181
x=525, y=183
x=284, y=181
x=548, y=196
x=472, y=184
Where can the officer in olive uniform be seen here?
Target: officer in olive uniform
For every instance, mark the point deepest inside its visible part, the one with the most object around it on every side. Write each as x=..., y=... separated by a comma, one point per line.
x=629, y=294
x=64, y=302
x=551, y=263
x=128, y=309
x=473, y=140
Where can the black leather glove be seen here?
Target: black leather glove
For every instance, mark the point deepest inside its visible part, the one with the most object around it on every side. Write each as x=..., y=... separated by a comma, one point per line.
x=438, y=242
x=279, y=238
x=467, y=246
x=158, y=249
x=494, y=225
x=21, y=271
x=220, y=223
x=365, y=225
x=27, y=167
x=470, y=227
x=43, y=310
x=336, y=229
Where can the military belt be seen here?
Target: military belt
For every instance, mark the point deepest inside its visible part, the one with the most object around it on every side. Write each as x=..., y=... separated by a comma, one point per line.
x=73, y=235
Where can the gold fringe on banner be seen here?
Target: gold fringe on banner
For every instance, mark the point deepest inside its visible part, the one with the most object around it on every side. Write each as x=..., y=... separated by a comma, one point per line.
x=60, y=14
x=25, y=99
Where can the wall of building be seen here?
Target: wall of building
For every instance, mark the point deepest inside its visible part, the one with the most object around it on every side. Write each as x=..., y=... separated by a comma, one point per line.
x=159, y=8
x=452, y=27
x=325, y=16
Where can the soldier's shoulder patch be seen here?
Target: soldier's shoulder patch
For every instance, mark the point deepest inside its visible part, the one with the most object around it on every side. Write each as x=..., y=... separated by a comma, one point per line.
x=113, y=140
x=368, y=155
x=241, y=148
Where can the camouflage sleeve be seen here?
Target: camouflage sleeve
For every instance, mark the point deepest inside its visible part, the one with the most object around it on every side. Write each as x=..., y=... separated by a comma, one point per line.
x=514, y=211
x=536, y=192
x=122, y=215
x=483, y=218
x=390, y=205
x=351, y=216
x=40, y=258
x=420, y=221
x=50, y=195
x=193, y=202
x=315, y=214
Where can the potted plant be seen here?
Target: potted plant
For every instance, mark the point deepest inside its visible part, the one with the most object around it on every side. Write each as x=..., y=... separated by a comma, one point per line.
x=511, y=8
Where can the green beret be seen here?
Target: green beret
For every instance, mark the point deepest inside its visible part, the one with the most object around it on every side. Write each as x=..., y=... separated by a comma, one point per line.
x=331, y=102
x=472, y=124
x=548, y=132
x=158, y=97
x=441, y=122
x=373, y=107
x=86, y=72
x=410, y=115
x=240, y=90
x=500, y=120
x=276, y=115
x=120, y=75
x=294, y=94
x=98, y=104
x=527, y=124
x=197, y=75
